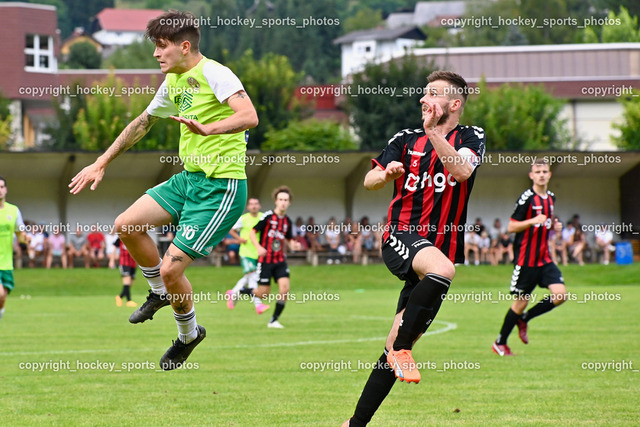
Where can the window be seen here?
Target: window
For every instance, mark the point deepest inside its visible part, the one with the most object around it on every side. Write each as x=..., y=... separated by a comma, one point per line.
x=39, y=53
x=365, y=49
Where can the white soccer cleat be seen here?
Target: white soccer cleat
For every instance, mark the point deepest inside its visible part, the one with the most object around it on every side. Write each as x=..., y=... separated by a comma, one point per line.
x=275, y=324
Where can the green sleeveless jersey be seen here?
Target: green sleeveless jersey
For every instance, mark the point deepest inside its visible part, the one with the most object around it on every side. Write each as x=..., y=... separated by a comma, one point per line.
x=245, y=224
x=10, y=219
x=201, y=94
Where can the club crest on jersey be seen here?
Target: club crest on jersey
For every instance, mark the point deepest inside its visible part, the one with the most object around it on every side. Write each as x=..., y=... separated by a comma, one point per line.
x=275, y=246
x=194, y=84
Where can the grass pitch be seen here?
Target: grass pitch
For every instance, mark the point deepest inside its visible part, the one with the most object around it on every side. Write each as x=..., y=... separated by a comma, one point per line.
x=68, y=355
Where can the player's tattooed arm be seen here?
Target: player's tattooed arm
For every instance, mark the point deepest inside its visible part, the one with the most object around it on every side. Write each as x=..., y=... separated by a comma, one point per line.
x=133, y=133
x=94, y=173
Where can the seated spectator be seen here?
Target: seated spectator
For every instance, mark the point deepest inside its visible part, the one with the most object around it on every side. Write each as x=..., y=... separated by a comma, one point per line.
x=495, y=232
x=576, y=249
x=505, y=246
x=604, y=242
x=78, y=246
x=37, y=245
x=96, y=245
x=232, y=248
x=57, y=248
x=484, y=247
x=313, y=235
x=367, y=235
x=166, y=237
x=471, y=245
x=557, y=243
x=299, y=233
x=353, y=241
x=332, y=234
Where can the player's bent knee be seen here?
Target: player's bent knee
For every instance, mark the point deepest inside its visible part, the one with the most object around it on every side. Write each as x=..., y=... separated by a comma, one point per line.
x=559, y=298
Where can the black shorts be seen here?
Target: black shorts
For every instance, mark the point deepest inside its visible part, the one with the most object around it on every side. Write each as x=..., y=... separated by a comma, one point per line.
x=125, y=271
x=267, y=271
x=525, y=279
x=398, y=252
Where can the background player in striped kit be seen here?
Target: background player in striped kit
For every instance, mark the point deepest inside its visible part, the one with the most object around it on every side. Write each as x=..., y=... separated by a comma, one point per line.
x=248, y=256
x=432, y=170
x=127, y=266
x=275, y=229
x=531, y=221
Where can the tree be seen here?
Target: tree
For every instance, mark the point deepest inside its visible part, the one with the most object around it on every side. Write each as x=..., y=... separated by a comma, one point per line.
x=364, y=19
x=629, y=138
x=137, y=55
x=617, y=28
x=271, y=84
x=310, y=135
x=84, y=55
x=67, y=109
x=385, y=98
x=105, y=116
x=5, y=123
x=518, y=117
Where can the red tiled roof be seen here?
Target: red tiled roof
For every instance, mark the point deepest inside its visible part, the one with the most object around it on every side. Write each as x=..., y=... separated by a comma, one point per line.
x=126, y=19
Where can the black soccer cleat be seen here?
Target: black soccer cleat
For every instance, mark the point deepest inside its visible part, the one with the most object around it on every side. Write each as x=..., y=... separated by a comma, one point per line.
x=179, y=351
x=146, y=311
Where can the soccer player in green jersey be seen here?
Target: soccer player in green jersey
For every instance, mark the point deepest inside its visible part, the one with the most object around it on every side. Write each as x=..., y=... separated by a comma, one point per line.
x=205, y=200
x=248, y=256
x=10, y=223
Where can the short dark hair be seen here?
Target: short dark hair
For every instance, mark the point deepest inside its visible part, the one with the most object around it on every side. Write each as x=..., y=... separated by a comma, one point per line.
x=539, y=161
x=2, y=179
x=282, y=189
x=175, y=26
x=453, y=79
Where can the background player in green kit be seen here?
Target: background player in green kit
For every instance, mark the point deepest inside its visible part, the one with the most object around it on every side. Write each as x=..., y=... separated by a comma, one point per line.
x=248, y=256
x=10, y=223
x=206, y=199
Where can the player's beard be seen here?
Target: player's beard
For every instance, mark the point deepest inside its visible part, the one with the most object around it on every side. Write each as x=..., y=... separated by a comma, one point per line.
x=445, y=114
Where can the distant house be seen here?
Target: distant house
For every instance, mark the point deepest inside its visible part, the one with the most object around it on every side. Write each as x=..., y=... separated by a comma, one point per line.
x=121, y=27
x=376, y=45
x=427, y=14
x=79, y=36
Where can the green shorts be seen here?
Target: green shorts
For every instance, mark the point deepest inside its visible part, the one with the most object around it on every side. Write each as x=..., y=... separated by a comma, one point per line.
x=6, y=279
x=203, y=209
x=248, y=264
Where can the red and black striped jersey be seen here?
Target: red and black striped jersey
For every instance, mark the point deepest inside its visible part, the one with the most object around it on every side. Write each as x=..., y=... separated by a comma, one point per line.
x=427, y=199
x=530, y=246
x=126, y=260
x=275, y=230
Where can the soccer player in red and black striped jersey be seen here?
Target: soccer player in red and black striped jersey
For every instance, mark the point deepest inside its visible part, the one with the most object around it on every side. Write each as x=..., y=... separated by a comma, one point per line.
x=531, y=221
x=275, y=229
x=128, y=272
x=432, y=170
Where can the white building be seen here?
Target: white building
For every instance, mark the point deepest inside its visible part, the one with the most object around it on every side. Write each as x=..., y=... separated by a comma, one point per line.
x=121, y=27
x=376, y=45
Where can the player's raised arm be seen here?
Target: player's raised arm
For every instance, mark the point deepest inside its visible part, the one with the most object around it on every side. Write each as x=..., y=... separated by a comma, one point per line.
x=377, y=177
x=244, y=117
x=127, y=138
